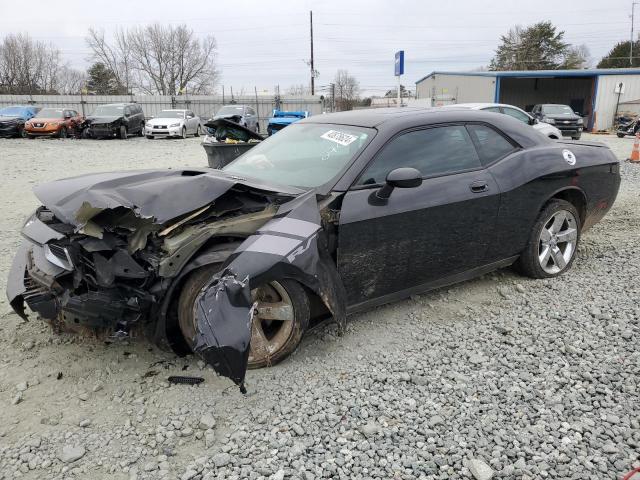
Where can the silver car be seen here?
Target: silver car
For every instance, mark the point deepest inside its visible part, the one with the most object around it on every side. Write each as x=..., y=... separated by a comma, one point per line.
x=241, y=114
x=173, y=123
x=515, y=112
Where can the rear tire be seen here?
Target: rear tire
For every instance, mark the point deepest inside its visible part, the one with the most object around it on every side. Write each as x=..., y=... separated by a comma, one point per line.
x=197, y=134
x=620, y=135
x=282, y=337
x=551, y=249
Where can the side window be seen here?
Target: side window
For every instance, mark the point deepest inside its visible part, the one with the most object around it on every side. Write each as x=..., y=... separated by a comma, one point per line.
x=127, y=111
x=491, y=145
x=433, y=151
x=492, y=109
x=517, y=114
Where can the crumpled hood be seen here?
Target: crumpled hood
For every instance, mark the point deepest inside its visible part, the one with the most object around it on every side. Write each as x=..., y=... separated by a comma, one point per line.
x=160, y=195
x=103, y=119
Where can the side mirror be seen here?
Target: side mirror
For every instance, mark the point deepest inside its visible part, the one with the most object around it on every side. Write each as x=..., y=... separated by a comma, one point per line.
x=405, y=177
x=578, y=113
x=534, y=121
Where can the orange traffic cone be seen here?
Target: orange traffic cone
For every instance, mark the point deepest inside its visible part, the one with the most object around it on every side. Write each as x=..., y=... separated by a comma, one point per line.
x=635, y=152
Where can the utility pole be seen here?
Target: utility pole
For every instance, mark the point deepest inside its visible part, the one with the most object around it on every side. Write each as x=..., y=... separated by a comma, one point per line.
x=313, y=72
x=333, y=97
x=633, y=6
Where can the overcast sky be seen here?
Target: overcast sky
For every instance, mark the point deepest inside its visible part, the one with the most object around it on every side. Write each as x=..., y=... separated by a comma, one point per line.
x=266, y=43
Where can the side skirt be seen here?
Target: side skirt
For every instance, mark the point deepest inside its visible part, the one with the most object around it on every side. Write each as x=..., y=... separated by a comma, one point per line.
x=425, y=287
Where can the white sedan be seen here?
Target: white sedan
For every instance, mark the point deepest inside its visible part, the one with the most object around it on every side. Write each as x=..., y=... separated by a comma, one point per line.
x=515, y=112
x=173, y=123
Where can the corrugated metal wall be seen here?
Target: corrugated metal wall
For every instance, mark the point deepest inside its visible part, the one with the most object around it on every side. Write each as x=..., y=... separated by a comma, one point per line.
x=203, y=105
x=606, y=98
x=457, y=88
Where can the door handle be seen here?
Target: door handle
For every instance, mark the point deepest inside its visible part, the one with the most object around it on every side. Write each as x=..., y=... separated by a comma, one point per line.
x=479, y=186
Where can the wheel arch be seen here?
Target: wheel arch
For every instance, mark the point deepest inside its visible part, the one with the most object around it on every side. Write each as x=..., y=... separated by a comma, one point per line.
x=215, y=250
x=574, y=196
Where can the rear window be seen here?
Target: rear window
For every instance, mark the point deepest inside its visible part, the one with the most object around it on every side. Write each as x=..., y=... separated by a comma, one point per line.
x=491, y=145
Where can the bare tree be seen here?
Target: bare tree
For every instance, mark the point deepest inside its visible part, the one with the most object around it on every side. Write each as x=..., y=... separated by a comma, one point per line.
x=347, y=90
x=298, y=90
x=116, y=56
x=168, y=60
x=70, y=81
x=28, y=66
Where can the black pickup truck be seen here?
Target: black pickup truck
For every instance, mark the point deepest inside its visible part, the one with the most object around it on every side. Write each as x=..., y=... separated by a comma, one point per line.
x=562, y=117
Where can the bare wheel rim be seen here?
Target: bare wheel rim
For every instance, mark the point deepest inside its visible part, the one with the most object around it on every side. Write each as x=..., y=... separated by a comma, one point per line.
x=557, y=242
x=273, y=321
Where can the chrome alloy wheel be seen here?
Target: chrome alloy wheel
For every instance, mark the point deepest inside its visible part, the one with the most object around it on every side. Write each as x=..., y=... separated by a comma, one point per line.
x=557, y=242
x=273, y=321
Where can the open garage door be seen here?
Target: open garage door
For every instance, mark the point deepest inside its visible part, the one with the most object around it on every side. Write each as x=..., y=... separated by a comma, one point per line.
x=577, y=92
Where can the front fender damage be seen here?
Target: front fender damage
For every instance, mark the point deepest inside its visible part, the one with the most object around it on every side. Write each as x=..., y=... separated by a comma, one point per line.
x=291, y=245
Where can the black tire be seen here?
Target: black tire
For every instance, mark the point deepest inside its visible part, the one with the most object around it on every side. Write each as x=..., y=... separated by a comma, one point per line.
x=150, y=137
x=299, y=301
x=197, y=134
x=529, y=264
x=575, y=138
x=184, y=133
x=620, y=135
x=63, y=133
x=22, y=133
x=122, y=133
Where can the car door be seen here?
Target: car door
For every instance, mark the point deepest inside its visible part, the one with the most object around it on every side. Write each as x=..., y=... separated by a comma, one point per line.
x=191, y=121
x=420, y=235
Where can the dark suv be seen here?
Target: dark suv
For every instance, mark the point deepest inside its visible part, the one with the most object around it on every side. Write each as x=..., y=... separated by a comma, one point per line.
x=115, y=120
x=563, y=117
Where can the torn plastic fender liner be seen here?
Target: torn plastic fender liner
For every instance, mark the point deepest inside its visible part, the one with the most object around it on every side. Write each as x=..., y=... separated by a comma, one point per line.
x=290, y=245
x=15, y=281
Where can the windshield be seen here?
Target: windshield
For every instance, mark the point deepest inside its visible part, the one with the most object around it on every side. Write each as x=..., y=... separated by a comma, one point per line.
x=558, y=110
x=50, y=113
x=171, y=114
x=231, y=110
x=109, y=111
x=303, y=155
x=12, y=111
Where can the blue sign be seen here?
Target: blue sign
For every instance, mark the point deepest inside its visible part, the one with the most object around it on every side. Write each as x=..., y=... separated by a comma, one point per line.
x=399, y=70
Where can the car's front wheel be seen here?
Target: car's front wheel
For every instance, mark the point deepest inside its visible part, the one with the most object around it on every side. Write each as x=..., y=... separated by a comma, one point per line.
x=122, y=133
x=184, y=133
x=279, y=321
x=553, y=242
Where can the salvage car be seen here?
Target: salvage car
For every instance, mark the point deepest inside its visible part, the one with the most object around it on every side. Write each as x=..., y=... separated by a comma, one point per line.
x=173, y=123
x=544, y=128
x=563, y=117
x=281, y=119
x=244, y=115
x=12, y=120
x=115, y=120
x=336, y=214
x=54, y=122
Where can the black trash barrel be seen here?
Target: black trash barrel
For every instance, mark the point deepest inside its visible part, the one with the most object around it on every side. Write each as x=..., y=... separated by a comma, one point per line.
x=221, y=154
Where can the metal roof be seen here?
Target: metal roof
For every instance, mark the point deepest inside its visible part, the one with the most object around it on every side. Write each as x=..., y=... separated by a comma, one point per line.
x=542, y=73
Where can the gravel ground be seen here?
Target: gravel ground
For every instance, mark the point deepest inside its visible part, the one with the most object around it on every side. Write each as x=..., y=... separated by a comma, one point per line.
x=501, y=377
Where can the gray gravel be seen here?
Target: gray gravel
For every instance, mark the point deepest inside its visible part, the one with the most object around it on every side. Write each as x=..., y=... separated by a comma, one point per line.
x=499, y=377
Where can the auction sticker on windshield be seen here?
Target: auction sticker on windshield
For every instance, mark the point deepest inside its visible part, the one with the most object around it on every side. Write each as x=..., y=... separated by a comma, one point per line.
x=340, y=138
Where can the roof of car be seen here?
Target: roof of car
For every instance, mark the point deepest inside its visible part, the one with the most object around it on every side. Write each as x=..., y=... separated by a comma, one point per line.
x=478, y=105
x=393, y=120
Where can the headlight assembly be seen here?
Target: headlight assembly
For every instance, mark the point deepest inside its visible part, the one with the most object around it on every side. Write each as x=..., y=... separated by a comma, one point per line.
x=174, y=125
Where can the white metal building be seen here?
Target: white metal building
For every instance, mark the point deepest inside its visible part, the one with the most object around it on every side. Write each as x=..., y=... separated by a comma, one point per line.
x=593, y=93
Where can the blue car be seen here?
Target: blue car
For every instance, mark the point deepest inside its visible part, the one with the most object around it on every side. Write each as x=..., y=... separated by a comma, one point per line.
x=12, y=120
x=281, y=119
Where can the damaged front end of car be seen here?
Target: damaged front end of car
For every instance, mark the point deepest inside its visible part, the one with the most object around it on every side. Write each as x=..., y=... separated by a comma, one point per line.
x=106, y=254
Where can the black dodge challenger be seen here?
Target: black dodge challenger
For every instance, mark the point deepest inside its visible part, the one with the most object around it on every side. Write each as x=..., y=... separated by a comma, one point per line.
x=336, y=214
